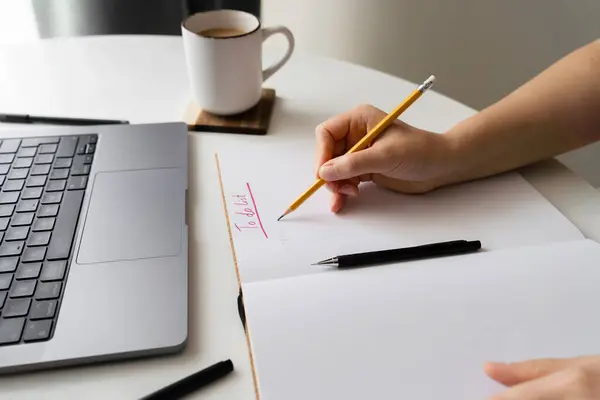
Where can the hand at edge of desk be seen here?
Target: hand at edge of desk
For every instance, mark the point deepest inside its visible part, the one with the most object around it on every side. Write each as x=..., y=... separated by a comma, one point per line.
x=403, y=158
x=548, y=379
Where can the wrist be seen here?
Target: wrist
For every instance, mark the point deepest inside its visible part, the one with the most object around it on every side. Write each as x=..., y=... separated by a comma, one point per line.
x=457, y=159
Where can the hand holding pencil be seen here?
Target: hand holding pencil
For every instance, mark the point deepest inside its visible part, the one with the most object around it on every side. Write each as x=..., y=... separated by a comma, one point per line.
x=366, y=144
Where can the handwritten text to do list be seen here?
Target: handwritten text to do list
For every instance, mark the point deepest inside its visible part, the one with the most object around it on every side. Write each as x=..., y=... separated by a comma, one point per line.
x=244, y=215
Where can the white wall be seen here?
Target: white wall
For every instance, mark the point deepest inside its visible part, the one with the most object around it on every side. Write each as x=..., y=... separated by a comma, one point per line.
x=479, y=50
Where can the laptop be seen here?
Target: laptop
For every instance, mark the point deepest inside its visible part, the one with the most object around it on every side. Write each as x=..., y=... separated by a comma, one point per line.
x=93, y=249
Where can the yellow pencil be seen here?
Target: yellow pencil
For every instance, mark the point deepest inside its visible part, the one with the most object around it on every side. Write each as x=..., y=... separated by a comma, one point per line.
x=368, y=138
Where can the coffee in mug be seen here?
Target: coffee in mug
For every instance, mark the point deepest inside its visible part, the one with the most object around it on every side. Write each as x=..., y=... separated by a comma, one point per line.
x=223, y=53
x=221, y=32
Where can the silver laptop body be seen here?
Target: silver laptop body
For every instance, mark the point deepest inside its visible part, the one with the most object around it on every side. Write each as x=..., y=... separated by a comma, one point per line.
x=124, y=292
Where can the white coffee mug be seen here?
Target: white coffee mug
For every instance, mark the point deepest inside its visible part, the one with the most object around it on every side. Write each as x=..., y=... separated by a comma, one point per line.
x=225, y=72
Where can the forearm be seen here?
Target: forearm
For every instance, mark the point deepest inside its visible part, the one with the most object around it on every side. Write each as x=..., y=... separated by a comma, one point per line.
x=557, y=111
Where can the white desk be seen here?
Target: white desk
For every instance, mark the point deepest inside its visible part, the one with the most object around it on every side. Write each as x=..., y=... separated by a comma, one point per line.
x=143, y=79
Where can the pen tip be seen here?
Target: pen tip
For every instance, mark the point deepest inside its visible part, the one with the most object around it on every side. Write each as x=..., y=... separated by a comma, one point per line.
x=282, y=215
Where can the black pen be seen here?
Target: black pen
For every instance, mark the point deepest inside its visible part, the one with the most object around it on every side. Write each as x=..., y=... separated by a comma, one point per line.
x=454, y=247
x=37, y=119
x=193, y=382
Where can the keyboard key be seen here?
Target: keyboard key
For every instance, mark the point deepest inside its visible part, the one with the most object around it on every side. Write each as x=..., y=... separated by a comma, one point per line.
x=5, y=281
x=42, y=169
x=88, y=159
x=52, y=198
x=16, y=307
x=44, y=159
x=48, y=290
x=43, y=309
x=53, y=270
x=33, y=254
x=67, y=146
x=16, y=233
x=29, y=270
x=48, y=210
x=77, y=183
x=8, y=264
x=63, y=163
x=11, y=248
x=4, y=169
x=64, y=231
x=90, y=148
x=47, y=149
x=35, y=142
x=37, y=330
x=56, y=186
x=62, y=173
x=22, y=219
x=32, y=193
x=9, y=197
x=2, y=179
x=81, y=148
x=9, y=146
x=83, y=169
x=36, y=181
x=11, y=330
x=6, y=158
x=27, y=205
x=24, y=162
x=4, y=223
x=39, y=239
x=93, y=139
x=3, y=296
x=22, y=289
x=13, y=186
x=20, y=173
x=27, y=152
x=43, y=224
x=6, y=210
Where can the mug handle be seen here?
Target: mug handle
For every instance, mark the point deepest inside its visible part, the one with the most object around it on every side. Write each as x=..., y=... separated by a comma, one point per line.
x=267, y=32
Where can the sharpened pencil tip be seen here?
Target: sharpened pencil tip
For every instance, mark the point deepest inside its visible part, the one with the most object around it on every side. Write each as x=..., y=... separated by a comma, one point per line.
x=284, y=214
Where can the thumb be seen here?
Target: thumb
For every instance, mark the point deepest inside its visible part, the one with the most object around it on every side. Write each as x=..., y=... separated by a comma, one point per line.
x=519, y=372
x=352, y=165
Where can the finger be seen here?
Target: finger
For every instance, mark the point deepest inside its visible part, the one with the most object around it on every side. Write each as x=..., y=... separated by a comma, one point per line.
x=337, y=202
x=347, y=187
x=348, y=128
x=401, y=186
x=550, y=387
x=515, y=373
x=328, y=134
x=353, y=165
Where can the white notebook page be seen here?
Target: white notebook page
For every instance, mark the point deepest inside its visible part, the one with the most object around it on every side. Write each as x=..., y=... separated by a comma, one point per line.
x=503, y=211
x=422, y=330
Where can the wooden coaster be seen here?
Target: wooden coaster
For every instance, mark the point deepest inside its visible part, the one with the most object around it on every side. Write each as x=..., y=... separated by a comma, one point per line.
x=252, y=122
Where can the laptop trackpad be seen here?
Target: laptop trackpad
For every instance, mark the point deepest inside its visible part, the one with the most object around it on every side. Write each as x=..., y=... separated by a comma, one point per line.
x=134, y=215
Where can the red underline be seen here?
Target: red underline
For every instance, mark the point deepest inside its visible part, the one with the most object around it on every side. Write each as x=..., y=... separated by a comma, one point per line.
x=256, y=210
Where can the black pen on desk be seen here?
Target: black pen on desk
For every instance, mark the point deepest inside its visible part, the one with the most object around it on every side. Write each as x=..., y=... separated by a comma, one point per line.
x=454, y=247
x=38, y=119
x=193, y=382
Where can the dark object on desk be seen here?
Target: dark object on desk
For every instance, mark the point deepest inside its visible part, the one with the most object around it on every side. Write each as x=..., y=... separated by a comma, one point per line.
x=66, y=18
x=454, y=247
x=36, y=119
x=241, y=309
x=252, y=122
x=193, y=382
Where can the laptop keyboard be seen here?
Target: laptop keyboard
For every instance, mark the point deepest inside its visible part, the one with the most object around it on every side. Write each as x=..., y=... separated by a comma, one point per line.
x=42, y=185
